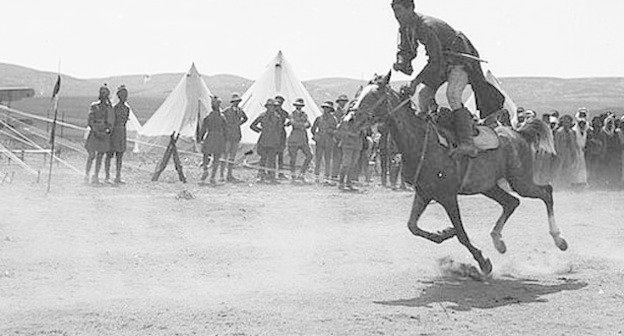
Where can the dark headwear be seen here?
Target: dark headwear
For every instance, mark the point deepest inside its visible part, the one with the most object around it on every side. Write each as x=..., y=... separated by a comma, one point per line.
x=269, y=102
x=299, y=102
x=235, y=97
x=104, y=87
x=328, y=104
x=342, y=97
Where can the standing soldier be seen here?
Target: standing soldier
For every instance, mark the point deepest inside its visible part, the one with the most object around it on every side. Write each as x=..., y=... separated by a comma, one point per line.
x=214, y=129
x=384, y=159
x=100, y=122
x=351, y=145
x=118, y=136
x=339, y=113
x=283, y=115
x=298, y=139
x=323, y=132
x=269, y=124
x=234, y=118
x=341, y=109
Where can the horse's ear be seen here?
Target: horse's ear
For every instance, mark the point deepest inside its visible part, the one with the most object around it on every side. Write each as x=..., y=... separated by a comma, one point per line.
x=357, y=94
x=386, y=79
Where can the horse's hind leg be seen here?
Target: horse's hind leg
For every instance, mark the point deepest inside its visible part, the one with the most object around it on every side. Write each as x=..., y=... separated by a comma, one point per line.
x=452, y=210
x=509, y=204
x=418, y=207
x=555, y=232
x=545, y=194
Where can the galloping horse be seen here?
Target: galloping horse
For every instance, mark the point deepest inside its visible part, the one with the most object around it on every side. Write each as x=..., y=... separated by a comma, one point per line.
x=437, y=176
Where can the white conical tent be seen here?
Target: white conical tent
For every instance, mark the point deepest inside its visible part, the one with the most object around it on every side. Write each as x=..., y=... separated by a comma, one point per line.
x=278, y=79
x=133, y=124
x=184, y=108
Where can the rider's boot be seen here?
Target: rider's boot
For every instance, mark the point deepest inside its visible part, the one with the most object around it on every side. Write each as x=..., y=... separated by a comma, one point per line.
x=464, y=129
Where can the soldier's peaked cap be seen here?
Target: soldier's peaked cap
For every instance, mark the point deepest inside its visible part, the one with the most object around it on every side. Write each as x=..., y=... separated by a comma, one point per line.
x=235, y=97
x=342, y=97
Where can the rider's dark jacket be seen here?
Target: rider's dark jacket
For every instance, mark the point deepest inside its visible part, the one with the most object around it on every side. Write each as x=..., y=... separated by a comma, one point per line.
x=442, y=43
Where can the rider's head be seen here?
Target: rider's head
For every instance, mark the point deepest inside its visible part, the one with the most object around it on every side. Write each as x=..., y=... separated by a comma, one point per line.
x=409, y=4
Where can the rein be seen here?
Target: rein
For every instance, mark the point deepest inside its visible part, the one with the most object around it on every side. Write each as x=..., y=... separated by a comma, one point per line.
x=423, y=151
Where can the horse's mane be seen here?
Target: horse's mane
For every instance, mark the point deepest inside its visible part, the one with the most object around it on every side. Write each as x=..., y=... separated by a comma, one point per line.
x=538, y=133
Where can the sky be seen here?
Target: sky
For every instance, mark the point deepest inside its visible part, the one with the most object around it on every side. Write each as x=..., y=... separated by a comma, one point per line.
x=320, y=38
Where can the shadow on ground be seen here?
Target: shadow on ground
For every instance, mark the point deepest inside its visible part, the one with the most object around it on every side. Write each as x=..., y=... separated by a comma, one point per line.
x=466, y=294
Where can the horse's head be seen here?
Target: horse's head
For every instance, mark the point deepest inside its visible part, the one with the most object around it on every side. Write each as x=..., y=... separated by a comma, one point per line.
x=371, y=104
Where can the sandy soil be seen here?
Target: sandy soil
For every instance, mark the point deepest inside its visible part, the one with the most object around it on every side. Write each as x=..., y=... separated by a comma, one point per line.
x=293, y=260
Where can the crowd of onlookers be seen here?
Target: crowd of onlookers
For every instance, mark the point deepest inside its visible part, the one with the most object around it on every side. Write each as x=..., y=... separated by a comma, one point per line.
x=588, y=150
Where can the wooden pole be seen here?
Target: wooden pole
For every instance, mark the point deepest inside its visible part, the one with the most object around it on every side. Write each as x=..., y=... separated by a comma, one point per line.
x=52, y=151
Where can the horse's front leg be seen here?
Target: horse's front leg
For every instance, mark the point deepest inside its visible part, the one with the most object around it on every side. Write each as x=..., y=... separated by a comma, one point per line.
x=418, y=207
x=452, y=210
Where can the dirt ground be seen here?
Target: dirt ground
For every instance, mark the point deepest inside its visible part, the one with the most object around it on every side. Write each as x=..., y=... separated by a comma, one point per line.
x=287, y=259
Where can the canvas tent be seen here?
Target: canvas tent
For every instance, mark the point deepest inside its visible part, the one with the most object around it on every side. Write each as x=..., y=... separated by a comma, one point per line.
x=278, y=79
x=182, y=111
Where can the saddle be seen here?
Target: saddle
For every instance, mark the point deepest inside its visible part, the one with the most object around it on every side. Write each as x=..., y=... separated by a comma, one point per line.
x=484, y=137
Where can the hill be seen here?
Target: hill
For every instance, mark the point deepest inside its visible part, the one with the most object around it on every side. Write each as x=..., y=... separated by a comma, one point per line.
x=539, y=93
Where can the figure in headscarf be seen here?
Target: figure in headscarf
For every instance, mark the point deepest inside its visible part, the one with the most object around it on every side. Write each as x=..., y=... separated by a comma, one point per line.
x=567, y=153
x=610, y=160
x=580, y=128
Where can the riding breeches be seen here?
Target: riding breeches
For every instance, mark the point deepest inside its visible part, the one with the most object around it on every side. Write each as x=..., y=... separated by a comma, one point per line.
x=457, y=81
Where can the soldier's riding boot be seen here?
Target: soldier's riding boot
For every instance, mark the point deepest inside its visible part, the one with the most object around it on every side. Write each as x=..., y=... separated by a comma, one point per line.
x=107, y=164
x=230, y=176
x=394, y=174
x=118, y=165
x=403, y=64
x=464, y=129
x=204, y=176
x=341, y=181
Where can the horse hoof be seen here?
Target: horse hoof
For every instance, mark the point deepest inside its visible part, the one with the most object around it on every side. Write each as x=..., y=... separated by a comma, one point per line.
x=486, y=267
x=499, y=244
x=561, y=243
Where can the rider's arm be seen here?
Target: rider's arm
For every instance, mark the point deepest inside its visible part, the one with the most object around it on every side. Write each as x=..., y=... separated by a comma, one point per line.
x=436, y=65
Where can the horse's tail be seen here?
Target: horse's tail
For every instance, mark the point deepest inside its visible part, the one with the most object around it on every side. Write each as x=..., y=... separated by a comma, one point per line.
x=539, y=135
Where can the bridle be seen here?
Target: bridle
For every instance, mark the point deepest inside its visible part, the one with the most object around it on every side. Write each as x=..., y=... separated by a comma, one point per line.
x=391, y=110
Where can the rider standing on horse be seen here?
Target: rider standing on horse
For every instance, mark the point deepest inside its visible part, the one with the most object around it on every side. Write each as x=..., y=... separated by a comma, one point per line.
x=452, y=59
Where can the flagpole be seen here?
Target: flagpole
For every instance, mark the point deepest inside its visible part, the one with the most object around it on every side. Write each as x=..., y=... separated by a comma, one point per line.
x=55, y=98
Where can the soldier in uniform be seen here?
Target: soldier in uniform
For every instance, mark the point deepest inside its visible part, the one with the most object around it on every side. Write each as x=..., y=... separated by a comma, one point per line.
x=270, y=125
x=234, y=118
x=118, y=135
x=341, y=108
x=100, y=121
x=323, y=132
x=279, y=100
x=339, y=113
x=214, y=130
x=298, y=139
x=452, y=59
x=350, y=142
